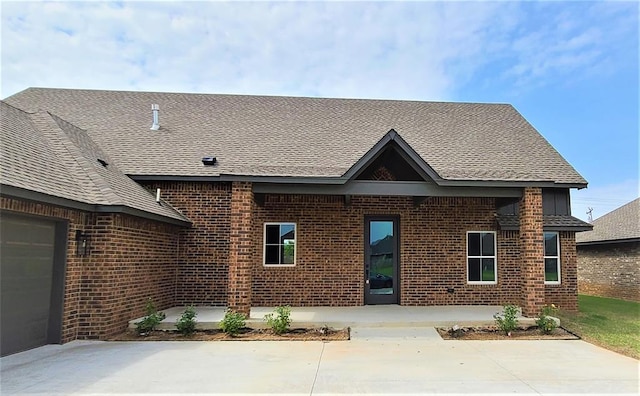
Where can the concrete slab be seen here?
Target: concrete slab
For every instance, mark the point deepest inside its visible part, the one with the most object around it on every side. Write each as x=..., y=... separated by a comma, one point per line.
x=341, y=317
x=377, y=360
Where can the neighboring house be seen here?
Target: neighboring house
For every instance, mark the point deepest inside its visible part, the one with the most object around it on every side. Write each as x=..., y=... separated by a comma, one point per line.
x=609, y=255
x=265, y=201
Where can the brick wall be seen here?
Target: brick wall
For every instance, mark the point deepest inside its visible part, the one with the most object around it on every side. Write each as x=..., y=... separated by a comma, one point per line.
x=203, y=261
x=532, y=252
x=330, y=257
x=130, y=260
x=565, y=295
x=611, y=270
x=240, y=248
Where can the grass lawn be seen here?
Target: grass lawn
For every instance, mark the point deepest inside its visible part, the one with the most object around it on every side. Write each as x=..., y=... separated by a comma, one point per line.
x=607, y=322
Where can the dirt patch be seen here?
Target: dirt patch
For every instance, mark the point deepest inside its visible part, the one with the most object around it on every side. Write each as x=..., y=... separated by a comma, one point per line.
x=490, y=333
x=247, y=334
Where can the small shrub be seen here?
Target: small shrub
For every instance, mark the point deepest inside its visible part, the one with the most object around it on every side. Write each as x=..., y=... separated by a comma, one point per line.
x=232, y=322
x=545, y=323
x=508, y=321
x=186, y=324
x=280, y=323
x=151, y=320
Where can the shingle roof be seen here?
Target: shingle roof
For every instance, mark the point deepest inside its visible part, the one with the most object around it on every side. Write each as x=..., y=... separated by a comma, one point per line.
x=550, y=222
x=40, y=152
x=303, y=137
x=620, y=224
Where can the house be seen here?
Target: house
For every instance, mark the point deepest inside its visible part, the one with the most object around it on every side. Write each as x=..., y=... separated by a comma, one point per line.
x=609, y=255
x=240, y=201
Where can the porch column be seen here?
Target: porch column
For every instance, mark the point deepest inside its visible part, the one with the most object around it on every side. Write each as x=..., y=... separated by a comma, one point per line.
x=532, y=251
x=240, y=248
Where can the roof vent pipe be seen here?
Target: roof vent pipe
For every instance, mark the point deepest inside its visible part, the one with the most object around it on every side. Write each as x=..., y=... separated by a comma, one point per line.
x=155, y=109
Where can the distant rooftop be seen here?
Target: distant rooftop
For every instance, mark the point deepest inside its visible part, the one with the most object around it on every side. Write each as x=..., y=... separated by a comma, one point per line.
x=619, y=225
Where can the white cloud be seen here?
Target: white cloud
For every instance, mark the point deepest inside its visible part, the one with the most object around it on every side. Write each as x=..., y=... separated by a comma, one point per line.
x=382, y=50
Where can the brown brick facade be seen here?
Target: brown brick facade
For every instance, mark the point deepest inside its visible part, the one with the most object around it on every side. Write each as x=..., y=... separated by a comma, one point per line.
x=240, y=247
x=330, y=252
x=130, y=260
x=610, y=270
x=215, y=263
x=203, y=264
x=532, y=252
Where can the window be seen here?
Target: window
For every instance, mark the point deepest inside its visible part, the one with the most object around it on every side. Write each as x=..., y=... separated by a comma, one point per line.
x=279, y=244
x=481, y=257
x=551, y=258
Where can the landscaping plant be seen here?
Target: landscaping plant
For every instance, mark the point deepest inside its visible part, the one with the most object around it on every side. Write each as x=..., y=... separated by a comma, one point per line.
x=186, y=324
x=232, y=322
x=508, y=321
x=545, y=322
x=279, y=323
x=151, y=319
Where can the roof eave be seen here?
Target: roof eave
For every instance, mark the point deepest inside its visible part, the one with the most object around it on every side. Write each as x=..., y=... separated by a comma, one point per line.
x=608, y=242
x=35, y=196
x=343, y=180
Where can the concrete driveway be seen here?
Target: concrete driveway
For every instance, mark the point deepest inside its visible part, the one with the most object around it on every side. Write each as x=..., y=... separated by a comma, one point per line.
x=376, y=360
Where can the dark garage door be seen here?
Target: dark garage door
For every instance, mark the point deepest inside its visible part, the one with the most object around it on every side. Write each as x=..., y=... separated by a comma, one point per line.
x=30, y=283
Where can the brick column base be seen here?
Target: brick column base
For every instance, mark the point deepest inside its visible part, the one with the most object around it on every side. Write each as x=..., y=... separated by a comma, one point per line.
x=532, y=252
x=240, y=248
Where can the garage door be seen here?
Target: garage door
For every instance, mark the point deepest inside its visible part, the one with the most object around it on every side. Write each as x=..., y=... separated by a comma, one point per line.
x=28, y=283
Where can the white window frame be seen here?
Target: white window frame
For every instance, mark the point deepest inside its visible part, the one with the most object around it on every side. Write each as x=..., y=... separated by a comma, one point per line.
x=264, y=244
x=495, y=259
x=557, y=234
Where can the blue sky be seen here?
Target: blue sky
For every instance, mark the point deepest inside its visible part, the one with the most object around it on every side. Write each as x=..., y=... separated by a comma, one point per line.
x=571, y=68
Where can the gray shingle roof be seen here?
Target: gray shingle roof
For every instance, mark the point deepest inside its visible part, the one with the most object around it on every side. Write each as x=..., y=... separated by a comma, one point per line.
x=550, y=222
x=40, y=152
x=622, y=223
x=303, y=137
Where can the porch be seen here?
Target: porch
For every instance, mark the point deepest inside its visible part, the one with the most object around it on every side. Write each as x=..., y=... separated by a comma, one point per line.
x=355, y=317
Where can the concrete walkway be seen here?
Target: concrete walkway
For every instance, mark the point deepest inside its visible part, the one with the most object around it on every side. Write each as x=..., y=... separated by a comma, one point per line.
x=377, y=360
x=363, y=316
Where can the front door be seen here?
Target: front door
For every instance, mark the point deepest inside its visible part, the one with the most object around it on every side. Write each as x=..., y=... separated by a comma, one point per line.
x=382, y=284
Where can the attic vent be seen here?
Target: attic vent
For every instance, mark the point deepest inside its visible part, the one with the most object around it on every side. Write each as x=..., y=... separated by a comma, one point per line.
x=209, y=160
x=103, y=162
x=155, y=109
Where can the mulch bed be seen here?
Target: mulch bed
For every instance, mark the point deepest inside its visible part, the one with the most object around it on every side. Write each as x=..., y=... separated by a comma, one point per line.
x=490, y=333
x=246, y=334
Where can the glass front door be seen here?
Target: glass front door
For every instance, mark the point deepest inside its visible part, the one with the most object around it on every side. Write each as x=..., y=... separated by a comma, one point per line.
x=381, y=260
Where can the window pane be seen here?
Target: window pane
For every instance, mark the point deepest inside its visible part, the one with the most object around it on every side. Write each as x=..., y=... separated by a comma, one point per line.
x=551, y=270
x=473, y=244
x=550, y=244
x=487, y=244
x=474, y=269
x=271, y=254
x=273, y=234
x=488, y=273
x=287, y=232
x=287, y=252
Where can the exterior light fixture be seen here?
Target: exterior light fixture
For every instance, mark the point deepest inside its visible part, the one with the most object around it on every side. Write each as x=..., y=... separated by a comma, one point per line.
x=82, y=243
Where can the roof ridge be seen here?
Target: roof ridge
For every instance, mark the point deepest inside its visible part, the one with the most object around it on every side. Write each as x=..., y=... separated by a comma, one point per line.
x=103, y=193
x=17, y=108
x=42, y=122
x=263, y=96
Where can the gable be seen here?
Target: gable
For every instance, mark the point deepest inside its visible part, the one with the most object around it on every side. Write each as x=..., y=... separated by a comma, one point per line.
x=390, y=166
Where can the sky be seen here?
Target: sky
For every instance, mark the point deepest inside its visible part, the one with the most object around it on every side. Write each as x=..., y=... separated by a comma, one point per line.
x=570, y=68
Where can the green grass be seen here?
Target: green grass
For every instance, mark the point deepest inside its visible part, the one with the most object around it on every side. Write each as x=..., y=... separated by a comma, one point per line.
x=607, y=322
